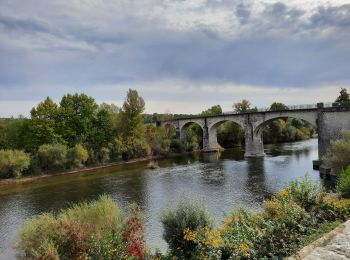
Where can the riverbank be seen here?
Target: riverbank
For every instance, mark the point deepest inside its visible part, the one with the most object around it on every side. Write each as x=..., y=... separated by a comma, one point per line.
x=27, y=179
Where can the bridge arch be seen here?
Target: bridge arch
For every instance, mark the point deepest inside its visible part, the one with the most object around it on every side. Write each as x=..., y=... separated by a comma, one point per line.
x=258, y=129
x=184, y=127
x=213, y=130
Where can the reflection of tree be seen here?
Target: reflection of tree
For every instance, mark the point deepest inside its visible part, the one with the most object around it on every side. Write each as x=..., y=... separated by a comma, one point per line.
x=256, y=179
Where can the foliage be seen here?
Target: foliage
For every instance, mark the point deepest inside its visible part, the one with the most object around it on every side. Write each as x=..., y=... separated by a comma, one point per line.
x=77, y=156
x=91, y=230
x=338, y=153
x=187, y=214
x=159, y=139
x=278, y=106
x=133, y=233
x=52, y=156
x=306, y=193
x=12, y=163
x=242, y=107
x=291, y=218
x=214, y=110
x=343, y=183
x=343, y=96
x=103, y=155
x=43, y=124
x=76, y=118
x=131, y=116
x=230, y=134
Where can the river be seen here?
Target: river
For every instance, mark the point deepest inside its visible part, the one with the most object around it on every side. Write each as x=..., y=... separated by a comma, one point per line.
x=223, y=182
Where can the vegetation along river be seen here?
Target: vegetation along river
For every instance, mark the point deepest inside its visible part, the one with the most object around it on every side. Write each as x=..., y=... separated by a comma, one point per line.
x=224, y=183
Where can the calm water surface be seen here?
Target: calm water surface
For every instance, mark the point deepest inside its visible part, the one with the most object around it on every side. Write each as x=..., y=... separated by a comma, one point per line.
x=224, y=183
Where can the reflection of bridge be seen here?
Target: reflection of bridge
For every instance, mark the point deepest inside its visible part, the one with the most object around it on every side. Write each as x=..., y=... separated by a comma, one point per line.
x=329, y=122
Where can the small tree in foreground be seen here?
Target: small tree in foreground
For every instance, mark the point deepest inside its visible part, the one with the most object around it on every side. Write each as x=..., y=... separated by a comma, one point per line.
x=187, y=215
x=13, y=163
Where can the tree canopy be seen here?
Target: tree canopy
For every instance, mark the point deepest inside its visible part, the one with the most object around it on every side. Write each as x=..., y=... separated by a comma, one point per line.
x=214, y=110
x=343, y=96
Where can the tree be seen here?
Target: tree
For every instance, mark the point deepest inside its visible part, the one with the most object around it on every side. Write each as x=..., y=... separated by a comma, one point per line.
x=13, y=162
x=43, y=124
x=132, y=128
x=343, y=97
x=214, y=110
x=76, y=117
x=242, y=107
x=278, y=106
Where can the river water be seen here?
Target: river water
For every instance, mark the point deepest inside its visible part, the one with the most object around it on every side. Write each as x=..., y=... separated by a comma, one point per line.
x=223, y=182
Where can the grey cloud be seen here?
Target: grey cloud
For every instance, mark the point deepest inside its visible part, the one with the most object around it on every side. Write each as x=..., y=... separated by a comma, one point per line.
x=137, y=49
x=338, y=16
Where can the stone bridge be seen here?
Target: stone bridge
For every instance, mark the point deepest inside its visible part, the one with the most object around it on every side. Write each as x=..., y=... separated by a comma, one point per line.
x=328, y=121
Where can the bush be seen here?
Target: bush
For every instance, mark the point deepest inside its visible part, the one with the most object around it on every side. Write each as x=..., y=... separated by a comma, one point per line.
x=306, y=193
x=343, y=183
x=77, y=156
x=187, y=215
x=103, y=155
x=52, y=156
x=93, y=230
x=12, y=163
x=338, y=155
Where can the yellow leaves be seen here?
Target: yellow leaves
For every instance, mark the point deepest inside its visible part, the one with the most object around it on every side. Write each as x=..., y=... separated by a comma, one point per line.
x=190, y=235
x=204, y=236
x=285, y=192
x=244, y=247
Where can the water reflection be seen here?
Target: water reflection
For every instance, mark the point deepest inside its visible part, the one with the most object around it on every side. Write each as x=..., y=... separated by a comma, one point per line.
x=224, y=182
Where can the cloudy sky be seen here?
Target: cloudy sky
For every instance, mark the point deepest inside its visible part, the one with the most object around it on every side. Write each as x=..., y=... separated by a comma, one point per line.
x=181, y=55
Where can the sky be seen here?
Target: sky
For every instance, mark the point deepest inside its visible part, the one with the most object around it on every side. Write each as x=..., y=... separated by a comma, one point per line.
x=182, y=56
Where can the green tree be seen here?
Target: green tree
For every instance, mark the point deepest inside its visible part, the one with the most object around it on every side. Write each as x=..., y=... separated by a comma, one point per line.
x=132, y=128
x=242, y=107
x=76, y=118
x=131, y=116
x=278, y=106
x=343, y=97
x=52, y=156
x=13, y=162
x=102, y=132
x=214, y=110
x=43, y=124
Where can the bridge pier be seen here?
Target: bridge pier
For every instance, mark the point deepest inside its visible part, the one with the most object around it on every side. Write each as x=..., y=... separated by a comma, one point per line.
x=210, y=143
x=254, y=146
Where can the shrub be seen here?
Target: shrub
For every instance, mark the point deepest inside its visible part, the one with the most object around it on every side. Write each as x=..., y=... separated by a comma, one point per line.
x=52, y=156
x=91, y=230
x=240, y=232
x=187, y=215
x=306, y=193
x=77, y=156
x=343, y=183
x=13, y=162
x=337, y=156
x=335, y=208
x=133, y=233
x=103, y=155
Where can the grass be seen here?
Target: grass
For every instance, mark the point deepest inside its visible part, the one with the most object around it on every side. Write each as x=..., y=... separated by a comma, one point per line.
x=321, y=231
